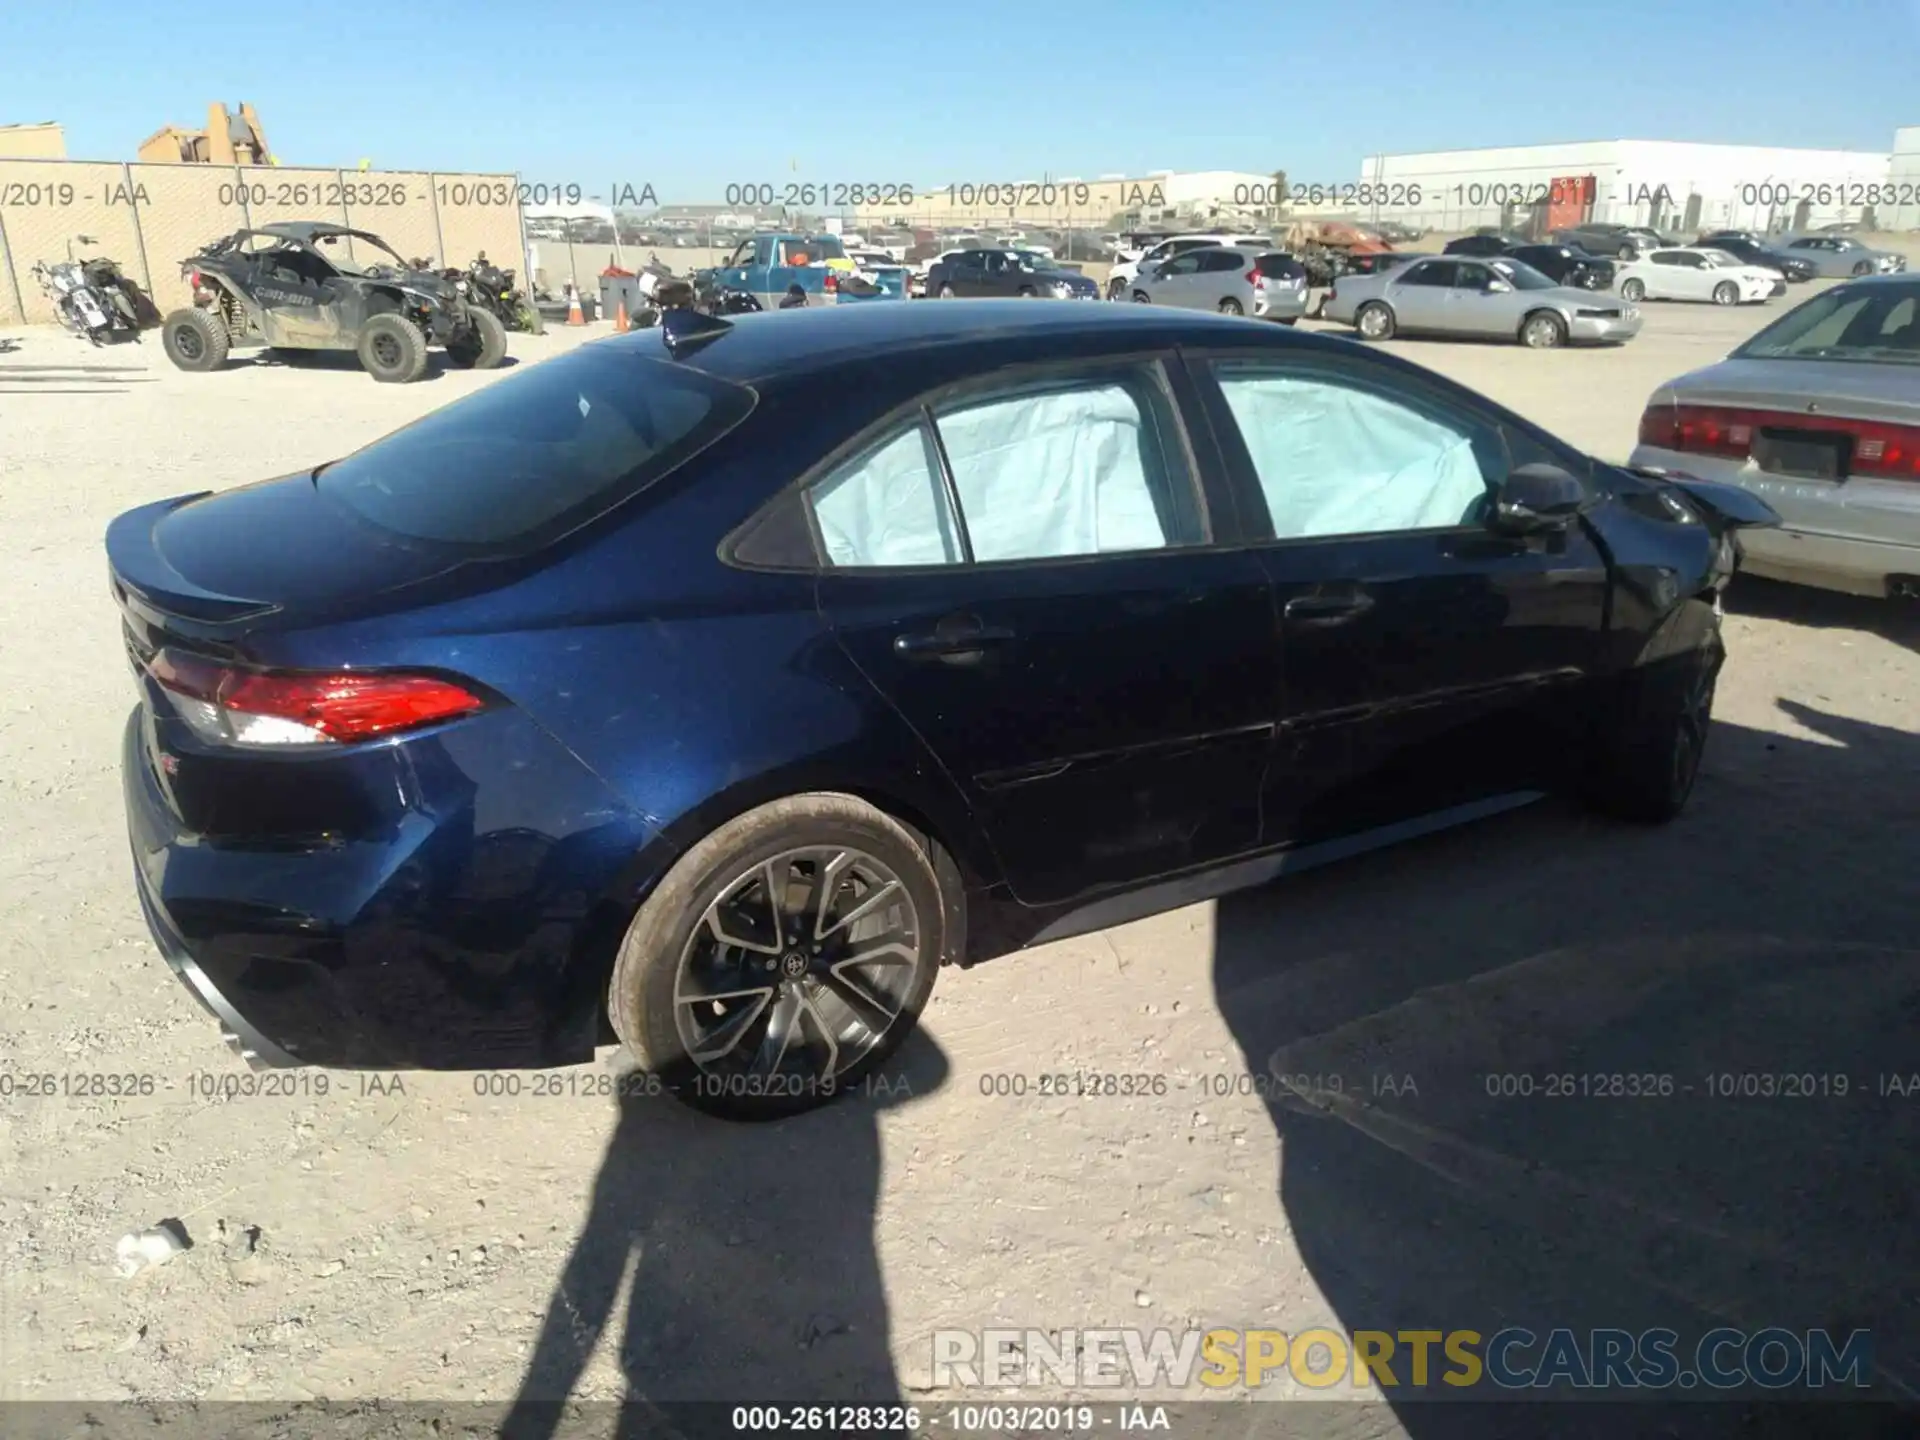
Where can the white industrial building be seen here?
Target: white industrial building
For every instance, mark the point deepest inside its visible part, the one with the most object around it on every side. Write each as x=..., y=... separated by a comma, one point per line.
x=1670, y=185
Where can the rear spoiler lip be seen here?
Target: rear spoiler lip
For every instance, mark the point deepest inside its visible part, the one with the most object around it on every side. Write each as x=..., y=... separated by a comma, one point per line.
x=145, y=583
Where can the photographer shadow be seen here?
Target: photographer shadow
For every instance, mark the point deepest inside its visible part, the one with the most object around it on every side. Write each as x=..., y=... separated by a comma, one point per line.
x=750, y=1261
x=1558, y=1073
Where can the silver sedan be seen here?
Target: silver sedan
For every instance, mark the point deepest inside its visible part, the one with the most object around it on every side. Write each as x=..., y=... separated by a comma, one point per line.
x=1818, y=415
x=1839, y=257
x=1487, y=299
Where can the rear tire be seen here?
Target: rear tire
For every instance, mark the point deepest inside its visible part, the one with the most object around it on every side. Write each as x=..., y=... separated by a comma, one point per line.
x=671, y=949
x=196, y=340
x=530, y=320
x=392, y=350
x=482, y=345
x=1230, y=306
x=1374, y=321
x=1644, y=770
x=1726, y=293
x=1140, y=297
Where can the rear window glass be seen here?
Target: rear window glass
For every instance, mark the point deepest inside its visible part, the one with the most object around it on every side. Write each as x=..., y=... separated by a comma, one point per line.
x=1875, y=322
x=535, y=455
x=1281, y=267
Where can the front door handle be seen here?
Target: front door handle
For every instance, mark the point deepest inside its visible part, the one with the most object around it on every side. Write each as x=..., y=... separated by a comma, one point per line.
x=1305, y=610
x=948, y=641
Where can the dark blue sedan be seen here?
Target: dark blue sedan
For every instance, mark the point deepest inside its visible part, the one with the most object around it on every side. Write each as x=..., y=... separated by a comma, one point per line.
x=721, y=682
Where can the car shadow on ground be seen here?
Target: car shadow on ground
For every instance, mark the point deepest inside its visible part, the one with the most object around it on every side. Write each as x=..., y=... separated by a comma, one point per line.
x=1555, y=1072
x=1897, y=620
x=344, y=361
x=750, y=1260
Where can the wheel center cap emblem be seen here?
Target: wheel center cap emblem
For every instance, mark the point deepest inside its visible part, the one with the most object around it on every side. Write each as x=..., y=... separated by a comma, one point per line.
x=793, y=964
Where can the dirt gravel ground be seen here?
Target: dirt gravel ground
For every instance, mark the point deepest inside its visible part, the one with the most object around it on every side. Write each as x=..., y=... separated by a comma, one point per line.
x=419, y=1240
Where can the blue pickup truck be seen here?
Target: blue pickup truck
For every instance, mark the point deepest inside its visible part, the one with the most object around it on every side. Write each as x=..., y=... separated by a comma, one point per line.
x=765, y=266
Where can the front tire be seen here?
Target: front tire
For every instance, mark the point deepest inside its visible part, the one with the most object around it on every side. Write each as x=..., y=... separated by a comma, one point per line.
x=1645, y=768
x=482, y=345
x=946, y=292
x=785, y=956
x=392, y=349
x=1633, y=291
x=196, y=340
x=1726, y=293
x=1543, y=330
x=1862, y=268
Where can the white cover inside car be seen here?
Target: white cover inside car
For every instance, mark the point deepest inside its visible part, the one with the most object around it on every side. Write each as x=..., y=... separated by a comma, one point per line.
x=1335, y=460
x=1060, y=473
x=887, y=509
x=1057, y=473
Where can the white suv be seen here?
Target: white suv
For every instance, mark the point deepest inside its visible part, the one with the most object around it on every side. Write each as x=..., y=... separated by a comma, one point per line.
x=1120, y=279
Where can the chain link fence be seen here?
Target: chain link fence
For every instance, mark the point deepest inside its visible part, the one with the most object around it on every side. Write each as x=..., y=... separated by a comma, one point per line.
x=151, y=217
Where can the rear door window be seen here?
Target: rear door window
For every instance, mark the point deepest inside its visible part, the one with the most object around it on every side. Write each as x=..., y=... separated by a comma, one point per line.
x=537, y=454
x=1049, y=470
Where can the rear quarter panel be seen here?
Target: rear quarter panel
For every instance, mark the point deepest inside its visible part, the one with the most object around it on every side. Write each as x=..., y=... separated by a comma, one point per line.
x=695, y=689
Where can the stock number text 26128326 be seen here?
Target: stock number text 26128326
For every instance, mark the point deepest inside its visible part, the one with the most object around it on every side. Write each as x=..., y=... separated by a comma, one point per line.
x=823, y=194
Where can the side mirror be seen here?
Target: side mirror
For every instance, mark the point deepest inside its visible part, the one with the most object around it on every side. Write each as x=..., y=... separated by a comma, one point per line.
x=1535, y=498
x=1499, y=287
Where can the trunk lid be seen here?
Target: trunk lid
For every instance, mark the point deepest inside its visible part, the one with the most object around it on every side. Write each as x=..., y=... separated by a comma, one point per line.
x=231, y=559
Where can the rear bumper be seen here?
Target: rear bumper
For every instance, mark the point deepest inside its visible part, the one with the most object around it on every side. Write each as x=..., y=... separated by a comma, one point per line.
x=1281, y=305
x=421, y=943
x=1851, y=537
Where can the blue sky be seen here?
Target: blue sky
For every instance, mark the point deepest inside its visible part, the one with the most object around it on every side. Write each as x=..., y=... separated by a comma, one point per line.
x=706, y=94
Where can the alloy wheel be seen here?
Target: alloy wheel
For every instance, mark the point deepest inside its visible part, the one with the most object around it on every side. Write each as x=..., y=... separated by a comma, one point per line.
x=798, y=967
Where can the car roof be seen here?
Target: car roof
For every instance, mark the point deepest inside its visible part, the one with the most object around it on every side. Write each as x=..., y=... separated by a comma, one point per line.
x=307, y=231
x=777, y=344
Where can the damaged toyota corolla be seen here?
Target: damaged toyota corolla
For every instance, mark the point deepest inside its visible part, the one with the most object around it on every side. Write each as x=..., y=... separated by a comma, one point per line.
x=713, y=686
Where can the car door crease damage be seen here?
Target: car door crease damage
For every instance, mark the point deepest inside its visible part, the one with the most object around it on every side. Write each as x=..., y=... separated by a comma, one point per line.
x=1047, y=613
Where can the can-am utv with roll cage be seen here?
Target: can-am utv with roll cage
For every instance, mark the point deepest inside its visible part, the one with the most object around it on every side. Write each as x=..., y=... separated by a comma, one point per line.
x=313, y=285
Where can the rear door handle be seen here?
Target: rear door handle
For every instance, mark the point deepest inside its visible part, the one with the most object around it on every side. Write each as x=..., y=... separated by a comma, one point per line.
x=947, y=642
x=1326, y=609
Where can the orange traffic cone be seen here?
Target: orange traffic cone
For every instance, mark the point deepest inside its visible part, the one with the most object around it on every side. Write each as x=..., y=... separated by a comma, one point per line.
x=620, y=322
x=575, y=316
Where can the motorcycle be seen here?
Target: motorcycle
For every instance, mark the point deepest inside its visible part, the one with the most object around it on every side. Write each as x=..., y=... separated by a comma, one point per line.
x=92, y=298
x=492, y=287
x=488, y=286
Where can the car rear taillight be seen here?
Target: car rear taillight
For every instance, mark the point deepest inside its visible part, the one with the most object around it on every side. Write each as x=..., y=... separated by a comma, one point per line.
x=832, y=283
x=1879, y=450
x=231, y=705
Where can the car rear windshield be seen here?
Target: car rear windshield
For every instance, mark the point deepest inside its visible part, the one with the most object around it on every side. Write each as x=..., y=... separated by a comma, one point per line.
x=1874, y=322
x=1281, y=267
x=535, y=455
